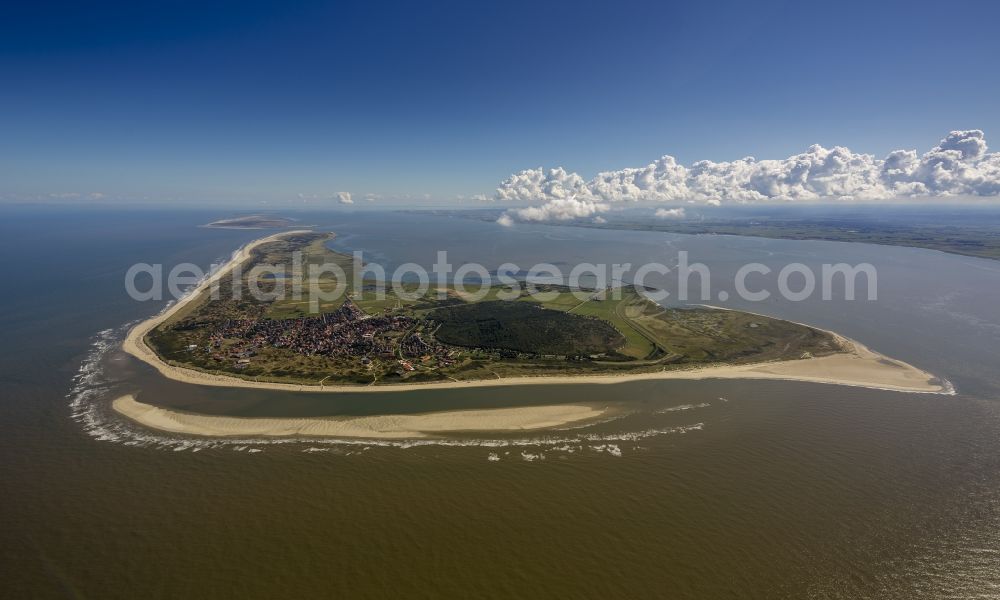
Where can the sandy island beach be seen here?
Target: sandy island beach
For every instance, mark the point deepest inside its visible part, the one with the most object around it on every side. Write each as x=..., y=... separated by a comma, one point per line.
x=856, y=366
x=376, y=426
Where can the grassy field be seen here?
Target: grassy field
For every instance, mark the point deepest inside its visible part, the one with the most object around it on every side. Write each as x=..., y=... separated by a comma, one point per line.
x=565, y=333
x=314, y=254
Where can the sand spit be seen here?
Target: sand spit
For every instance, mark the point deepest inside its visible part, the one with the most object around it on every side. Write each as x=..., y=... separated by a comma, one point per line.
x=135, y=341
x=376, y=427
x=856, y=366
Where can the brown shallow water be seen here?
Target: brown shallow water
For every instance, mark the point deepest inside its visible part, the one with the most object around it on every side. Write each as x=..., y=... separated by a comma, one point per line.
x=779, y=490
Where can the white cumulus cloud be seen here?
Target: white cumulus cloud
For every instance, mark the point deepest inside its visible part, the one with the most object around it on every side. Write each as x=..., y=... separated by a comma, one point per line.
x=670, y=213
x=344, y=198
x=958, y=165
x=535, y=184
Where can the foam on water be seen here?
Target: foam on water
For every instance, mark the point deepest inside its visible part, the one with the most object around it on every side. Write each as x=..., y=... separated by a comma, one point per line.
x=612, y=449
x=681, y=407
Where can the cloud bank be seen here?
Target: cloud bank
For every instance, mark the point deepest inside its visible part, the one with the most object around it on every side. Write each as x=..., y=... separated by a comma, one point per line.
x=958, y=166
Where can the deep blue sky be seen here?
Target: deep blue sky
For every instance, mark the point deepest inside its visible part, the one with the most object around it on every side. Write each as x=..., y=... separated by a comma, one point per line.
x=249, y=101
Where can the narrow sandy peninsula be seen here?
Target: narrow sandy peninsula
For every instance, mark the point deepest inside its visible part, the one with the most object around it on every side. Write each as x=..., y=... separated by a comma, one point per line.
x=135, y=341
x=372, y=427
x=856, y=365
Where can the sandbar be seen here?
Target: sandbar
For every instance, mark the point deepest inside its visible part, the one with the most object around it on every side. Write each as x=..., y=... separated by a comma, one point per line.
x=423, y=425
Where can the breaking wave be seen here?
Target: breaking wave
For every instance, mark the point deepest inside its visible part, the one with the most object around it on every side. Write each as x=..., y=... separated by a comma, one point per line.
x=90, y=385
x=681, y=407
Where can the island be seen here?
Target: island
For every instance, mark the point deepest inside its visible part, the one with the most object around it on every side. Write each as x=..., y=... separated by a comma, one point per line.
x=251, y=222
x=365, y=341
x=443, y=338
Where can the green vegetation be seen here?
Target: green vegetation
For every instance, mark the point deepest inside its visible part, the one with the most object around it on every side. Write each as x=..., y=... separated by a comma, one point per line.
x=524, y=328
x=619, y=312
x=373, y=335
x=693, y=335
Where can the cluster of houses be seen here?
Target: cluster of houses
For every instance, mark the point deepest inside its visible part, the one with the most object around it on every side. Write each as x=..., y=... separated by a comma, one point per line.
x=347, y=332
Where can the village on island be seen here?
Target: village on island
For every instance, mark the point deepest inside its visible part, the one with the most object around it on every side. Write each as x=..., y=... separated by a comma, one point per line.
x=346, y=333
x=374, y=336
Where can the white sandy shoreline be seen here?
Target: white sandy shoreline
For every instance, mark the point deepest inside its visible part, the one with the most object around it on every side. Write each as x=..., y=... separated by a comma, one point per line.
x=422, y=425
x=858, y=366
